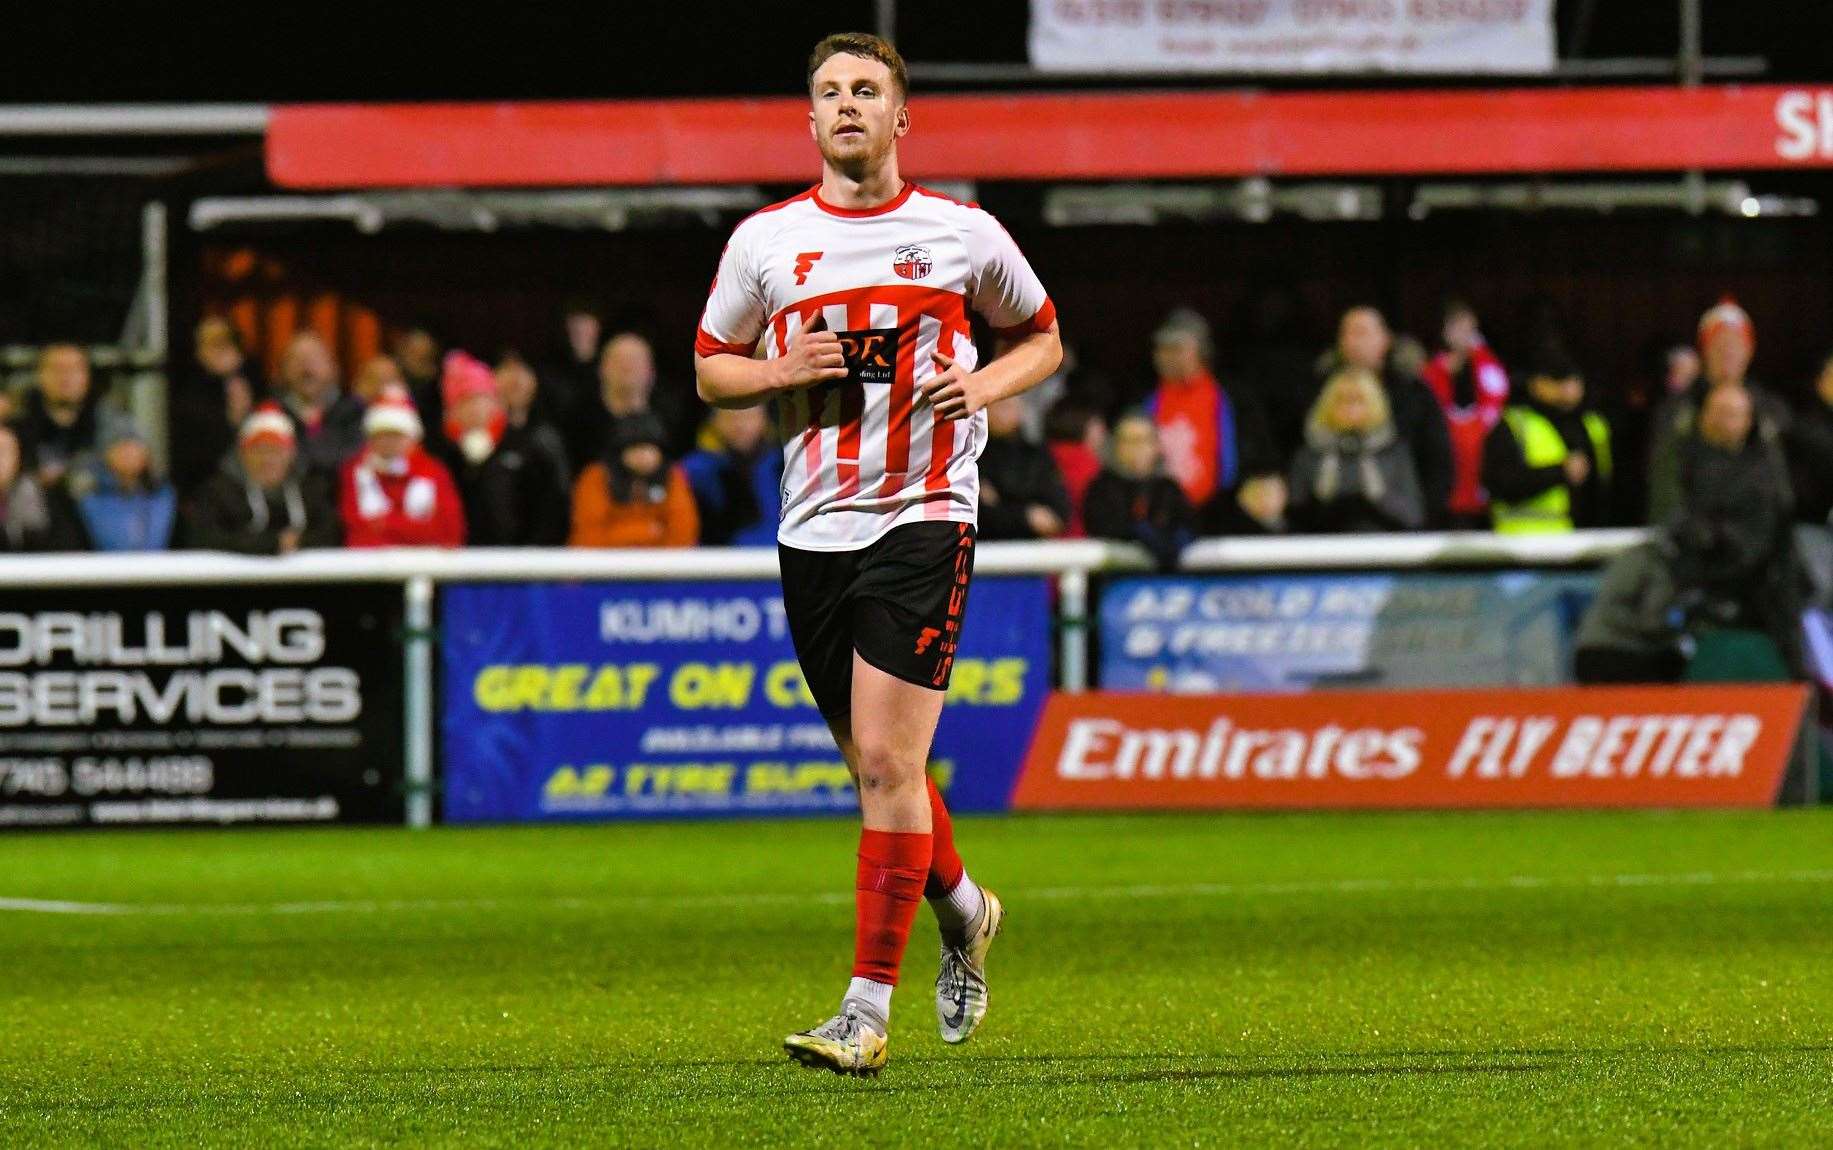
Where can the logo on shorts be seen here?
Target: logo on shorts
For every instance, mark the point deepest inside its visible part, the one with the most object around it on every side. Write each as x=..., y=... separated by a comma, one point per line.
x=926, y=637
x=911, y=262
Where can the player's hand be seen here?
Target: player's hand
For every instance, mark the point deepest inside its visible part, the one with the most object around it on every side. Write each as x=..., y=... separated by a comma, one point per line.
x=954, y=391
x=813, y=357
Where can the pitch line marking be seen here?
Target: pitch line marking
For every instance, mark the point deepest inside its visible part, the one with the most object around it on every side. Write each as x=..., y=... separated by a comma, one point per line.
x=1138, y=890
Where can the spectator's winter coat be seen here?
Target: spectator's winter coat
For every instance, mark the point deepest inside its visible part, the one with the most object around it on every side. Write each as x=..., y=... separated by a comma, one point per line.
x=1674, y=423
x=656, y=513
x=1213, y=437
x=1344, y=482
x=517, y=495
x=230, y=513
x=333, y=439
x=1471, y=400
x=413, y=503
x=738, y=498
x=34, y=519
x=1152, y=512
x=1022, y=474
x=45, y=442
x=118, y=519
x=199, y=435
x=1078, y=464
x=1810, y=457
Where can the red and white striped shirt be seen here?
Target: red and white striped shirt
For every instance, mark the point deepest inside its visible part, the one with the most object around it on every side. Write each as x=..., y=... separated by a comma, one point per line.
x=864, y=454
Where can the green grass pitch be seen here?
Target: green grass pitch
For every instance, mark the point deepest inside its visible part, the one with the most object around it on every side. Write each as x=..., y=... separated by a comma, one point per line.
x=1298, y=980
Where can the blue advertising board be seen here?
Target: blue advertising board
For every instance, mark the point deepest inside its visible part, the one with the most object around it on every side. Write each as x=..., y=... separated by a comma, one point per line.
x=1299, y=632
x=643, y=700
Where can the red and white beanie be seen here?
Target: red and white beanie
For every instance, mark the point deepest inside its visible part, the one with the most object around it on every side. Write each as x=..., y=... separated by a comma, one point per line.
x=1726, y=315
x=392, y=411
x=267, y=424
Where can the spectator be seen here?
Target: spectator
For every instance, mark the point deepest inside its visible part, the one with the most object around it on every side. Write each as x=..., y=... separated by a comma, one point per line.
x=1683, y=368
x=61, y=427
x=1258, y=508
x=569, y=381
x=514, y=492
x=1810, y=452
x=632, y=496
x=1354, y=473
x=1547, y=465
x=260, y=501
x=1021, y=492
x=393, y=493
x=1364, y=341
x=735, y=476
x=1727, y=342
x=525, y=413
x=1471, y=389
x=627, y=387
x=1077, y=439
x=416, y=352
x=377, y=375
x=125, y=507
x=327, y=422
x=1212, y=438
x=207, y=404
x=33, y=517
x=1133, y=501
x=1733, y=530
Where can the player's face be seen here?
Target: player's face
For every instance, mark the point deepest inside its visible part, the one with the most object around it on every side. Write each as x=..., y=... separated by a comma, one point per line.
x=858, y=113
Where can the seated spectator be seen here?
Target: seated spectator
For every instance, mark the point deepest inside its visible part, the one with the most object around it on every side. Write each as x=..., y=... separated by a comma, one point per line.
x=125, y=507
x=1257, y=507
x=61, y=424
x=1212, y=437
x=260, y=501
x=1725, y=560
x=632, y=496
x=1810, y=452
x=513, y=485
x=1727, y=343
x=1547, y=465
x=1133, y=501
x=1364, y=341
x=1354, y=473
x=1021, y=492
x=1076, y=438
x=327, y=421
x=735, y=475
x=207, y=404
x=377, y=375
x=32, y=516
x=393, y=493
x=1471, y=389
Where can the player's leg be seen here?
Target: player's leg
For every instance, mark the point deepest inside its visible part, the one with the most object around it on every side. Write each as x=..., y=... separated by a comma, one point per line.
x=954, y=897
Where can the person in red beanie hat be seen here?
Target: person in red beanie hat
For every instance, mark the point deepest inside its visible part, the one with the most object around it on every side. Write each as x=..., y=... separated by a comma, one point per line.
x=393, y=493
x=1727, y=343
x=513, y=480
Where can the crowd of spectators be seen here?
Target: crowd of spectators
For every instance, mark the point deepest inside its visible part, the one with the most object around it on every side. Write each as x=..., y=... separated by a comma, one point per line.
x=588, y=448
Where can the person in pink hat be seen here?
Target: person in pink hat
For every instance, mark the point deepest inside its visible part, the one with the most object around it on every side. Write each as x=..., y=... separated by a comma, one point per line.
x=395, y=494
x=1727, y=344
x=513, y=480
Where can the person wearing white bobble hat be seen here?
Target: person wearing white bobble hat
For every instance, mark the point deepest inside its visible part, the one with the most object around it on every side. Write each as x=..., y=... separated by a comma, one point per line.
x=393, y=493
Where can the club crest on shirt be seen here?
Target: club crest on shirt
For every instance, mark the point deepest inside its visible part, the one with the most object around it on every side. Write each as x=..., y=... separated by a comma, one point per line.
x=911, y=262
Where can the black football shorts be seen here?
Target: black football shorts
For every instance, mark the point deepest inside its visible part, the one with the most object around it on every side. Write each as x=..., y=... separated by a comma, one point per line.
x=898, y=602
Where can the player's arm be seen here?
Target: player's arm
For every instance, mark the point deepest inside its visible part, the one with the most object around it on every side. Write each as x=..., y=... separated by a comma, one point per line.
x=1021, y=365
x=727, y=379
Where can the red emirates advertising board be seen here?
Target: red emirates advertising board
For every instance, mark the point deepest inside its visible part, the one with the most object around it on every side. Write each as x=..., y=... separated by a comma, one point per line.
x=1690, y=746
x=1064, y=136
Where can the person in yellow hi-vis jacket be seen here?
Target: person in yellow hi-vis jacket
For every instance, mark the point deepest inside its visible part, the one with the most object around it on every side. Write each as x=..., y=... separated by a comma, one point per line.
x=1547, y=463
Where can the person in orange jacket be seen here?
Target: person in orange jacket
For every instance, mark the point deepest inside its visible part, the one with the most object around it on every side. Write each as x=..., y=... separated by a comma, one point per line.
x=634, y=497
x=394, y=494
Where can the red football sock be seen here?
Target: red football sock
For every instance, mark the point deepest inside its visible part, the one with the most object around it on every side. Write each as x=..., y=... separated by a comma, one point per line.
x=892, y=869
x=945, y=862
